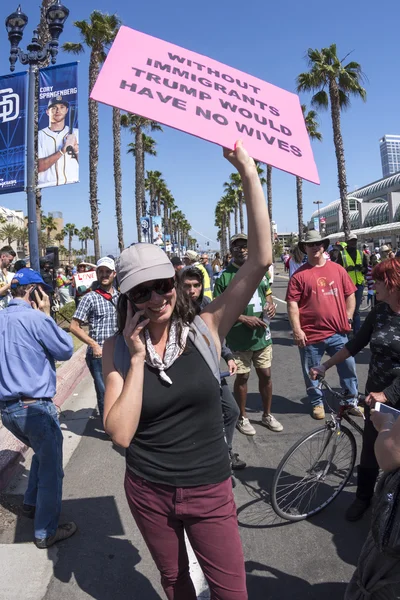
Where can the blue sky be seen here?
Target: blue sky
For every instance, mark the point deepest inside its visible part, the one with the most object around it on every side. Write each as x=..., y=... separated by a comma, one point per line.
x=268, y=40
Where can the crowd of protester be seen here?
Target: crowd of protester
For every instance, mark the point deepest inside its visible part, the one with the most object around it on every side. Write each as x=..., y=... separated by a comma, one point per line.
x=155, y=329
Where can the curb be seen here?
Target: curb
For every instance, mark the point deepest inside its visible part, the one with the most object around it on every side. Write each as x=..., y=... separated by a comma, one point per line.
x=12, y=451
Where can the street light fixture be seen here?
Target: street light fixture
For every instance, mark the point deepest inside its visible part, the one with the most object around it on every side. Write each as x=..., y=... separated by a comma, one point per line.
x=36, y=55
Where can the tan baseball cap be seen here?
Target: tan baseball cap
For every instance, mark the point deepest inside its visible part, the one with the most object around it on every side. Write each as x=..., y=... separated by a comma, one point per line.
x=191, y=255
x=140, y=263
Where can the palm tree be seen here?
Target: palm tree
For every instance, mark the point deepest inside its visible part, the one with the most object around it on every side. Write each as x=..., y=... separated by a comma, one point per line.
x=10, y=233
x=232, y=193
x=177, y=220
x=311, y=122
x=235, y=184
x=59, y=237
x=85, y=234
x=154, y=184
x=116, y=125
x=70, y=230
x=333, y=81
x=168, y=203
x=97, y=34
x=23, y=236
x=62, y=250
x=221, y=223
x=137, y=125
x=49, y=224
x=149, y=147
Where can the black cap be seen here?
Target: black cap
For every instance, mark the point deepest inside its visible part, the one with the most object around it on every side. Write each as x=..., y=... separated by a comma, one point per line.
x=176, y=261
x=57, y=100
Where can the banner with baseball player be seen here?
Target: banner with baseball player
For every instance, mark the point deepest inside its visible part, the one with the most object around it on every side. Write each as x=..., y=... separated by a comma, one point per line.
x=58, y=136
x=145, y=225
x=12, y=132
x=158, y=233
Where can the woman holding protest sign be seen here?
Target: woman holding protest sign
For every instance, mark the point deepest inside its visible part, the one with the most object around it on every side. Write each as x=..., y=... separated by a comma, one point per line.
x=163, y=404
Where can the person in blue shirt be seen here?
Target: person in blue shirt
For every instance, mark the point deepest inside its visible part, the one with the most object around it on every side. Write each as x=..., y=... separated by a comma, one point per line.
x=30, y=343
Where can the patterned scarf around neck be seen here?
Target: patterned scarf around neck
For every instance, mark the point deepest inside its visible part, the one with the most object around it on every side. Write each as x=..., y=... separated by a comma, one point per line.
x=172, y=351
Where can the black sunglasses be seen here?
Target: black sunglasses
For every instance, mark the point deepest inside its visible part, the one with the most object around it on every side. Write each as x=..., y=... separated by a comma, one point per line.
x=311, y=244
x=142, y=293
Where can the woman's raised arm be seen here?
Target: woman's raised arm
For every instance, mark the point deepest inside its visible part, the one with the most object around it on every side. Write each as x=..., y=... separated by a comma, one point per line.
x=224, y=311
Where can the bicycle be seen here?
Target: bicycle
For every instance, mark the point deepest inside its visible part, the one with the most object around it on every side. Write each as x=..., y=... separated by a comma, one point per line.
x=302, y=489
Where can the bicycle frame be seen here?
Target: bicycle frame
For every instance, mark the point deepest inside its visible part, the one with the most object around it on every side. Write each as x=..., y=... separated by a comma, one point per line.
x=334, y=425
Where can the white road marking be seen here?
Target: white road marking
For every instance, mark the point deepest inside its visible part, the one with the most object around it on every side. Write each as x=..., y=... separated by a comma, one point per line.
x=279, y=300
x=197, y=574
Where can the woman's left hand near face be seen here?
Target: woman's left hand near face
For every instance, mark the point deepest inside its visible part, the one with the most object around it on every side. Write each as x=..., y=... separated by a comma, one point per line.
x=133, y=332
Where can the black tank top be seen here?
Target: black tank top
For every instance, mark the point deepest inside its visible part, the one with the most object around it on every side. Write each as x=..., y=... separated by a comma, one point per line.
x=180, y=439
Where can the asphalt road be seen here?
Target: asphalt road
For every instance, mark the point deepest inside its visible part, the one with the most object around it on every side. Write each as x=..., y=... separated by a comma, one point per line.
x=107, y=559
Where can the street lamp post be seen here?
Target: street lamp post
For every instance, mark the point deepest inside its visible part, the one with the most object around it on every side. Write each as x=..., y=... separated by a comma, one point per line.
x=318, y=202
x=36, y=55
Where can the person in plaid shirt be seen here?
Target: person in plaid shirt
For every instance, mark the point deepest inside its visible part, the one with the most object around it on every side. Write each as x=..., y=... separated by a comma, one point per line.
x=98, y=310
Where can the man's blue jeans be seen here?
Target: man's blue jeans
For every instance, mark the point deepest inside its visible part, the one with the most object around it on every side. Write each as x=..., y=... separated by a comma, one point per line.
x=356, y=317
x=96, y=370
x=311, y=356
x=36, y=425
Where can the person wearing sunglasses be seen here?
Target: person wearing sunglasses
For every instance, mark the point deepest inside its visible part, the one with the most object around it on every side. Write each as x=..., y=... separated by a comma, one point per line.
x=162, y=403
x=321, y=302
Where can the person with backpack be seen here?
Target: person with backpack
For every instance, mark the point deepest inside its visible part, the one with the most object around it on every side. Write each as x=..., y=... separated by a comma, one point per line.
x=162, y=404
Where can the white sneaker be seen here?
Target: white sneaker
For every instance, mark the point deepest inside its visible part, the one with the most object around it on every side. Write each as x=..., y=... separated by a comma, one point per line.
x=245, y=427
x=272, y=423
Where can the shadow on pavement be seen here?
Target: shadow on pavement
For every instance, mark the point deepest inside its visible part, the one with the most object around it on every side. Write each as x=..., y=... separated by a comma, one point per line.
x=74, y=420
x=287, y=587
x=101, y=563
x=280, y=405
x=258, y=513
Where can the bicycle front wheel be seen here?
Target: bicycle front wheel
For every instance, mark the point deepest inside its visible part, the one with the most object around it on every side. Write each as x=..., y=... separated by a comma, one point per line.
x=313, y=472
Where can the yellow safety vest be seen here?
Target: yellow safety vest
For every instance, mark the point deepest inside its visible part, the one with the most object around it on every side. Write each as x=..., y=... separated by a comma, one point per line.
x=207, y=291
x=354, y=270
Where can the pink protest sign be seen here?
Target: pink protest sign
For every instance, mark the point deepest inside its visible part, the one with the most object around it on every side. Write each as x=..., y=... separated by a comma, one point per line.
x=198, y=95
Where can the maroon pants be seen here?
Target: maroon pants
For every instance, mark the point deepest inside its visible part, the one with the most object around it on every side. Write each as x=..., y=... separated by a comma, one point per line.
x=208, y=515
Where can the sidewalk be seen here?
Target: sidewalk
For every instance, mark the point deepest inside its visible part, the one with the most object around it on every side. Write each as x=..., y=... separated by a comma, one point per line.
x=12, y=450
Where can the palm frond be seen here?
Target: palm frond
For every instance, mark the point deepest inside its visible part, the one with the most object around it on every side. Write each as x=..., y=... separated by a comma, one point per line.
x=73, y=48
x=320, y=99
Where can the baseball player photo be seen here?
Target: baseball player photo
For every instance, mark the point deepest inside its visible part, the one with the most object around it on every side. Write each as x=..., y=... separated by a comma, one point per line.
x=58, y=147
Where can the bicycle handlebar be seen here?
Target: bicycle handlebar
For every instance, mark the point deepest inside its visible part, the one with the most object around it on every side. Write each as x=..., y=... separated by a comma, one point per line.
x=323, y=382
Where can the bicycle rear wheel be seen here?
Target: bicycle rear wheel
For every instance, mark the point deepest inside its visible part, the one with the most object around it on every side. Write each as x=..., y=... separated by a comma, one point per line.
x=313, y=472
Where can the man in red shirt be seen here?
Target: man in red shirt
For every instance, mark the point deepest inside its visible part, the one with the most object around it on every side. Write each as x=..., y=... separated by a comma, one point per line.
x=321, y=302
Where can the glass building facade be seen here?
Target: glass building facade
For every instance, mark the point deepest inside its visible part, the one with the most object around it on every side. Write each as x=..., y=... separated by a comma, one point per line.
x=390, y=154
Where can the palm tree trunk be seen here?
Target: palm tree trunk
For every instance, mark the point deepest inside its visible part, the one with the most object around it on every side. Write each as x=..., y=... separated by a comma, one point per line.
x=94, y=154
x=86, y=245
x=269, y=202
x=236, y=220
x=118, y=175
x=223, y=229
x=339, y=151
x=228, y=225
x=240, y=201
x=299, y=191
x=144, y=204
x=165, y=218
x=70, y=248
x=139, y=180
